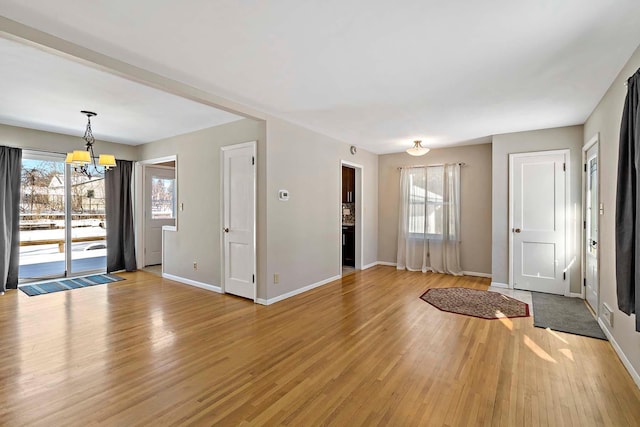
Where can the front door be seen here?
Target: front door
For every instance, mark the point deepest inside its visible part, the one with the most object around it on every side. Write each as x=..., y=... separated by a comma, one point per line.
x=160, y=206
x=538, y=221
x=239, y=216
x=591, y=228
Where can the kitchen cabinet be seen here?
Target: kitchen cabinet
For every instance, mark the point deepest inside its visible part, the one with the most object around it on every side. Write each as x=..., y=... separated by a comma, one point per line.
x=348, y=185
x=348, y=246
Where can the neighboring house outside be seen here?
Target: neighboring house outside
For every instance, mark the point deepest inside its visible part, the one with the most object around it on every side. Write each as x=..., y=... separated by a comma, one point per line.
x=87, y=194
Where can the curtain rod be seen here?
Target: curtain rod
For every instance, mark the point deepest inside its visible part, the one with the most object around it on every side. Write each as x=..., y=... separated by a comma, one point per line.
x=428, y=166
x=41, y=151
x=35, y=150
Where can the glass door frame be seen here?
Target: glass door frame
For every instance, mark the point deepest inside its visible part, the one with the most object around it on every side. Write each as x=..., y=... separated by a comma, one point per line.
x=68, y=219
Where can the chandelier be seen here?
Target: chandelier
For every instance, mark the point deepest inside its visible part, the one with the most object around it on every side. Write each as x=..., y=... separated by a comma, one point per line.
x=417, y=149
x=82, y=159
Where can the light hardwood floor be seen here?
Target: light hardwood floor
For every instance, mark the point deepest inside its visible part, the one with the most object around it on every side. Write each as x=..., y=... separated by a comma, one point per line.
x=364, y=350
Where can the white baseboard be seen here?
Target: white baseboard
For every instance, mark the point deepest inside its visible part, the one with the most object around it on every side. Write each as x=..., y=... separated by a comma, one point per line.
x=623, y=358
x=500, y=285
x=394, y=264
x=473, y=273
x=373, y=264
x=195, y=283
x=297, y=291
x=575, y=295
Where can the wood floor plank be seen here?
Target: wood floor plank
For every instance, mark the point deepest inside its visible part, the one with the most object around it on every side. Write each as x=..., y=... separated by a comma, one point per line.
x=363, y=350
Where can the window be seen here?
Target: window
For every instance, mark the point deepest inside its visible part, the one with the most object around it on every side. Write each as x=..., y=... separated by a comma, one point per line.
x=425, y=201
x=163, y=203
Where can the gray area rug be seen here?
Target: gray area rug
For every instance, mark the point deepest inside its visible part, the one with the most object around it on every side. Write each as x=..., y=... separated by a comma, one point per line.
x=564, y=314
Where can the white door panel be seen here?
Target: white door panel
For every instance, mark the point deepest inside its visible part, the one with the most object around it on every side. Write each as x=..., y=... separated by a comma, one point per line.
x=591, y=228
x=539, y=215
x=239, y=183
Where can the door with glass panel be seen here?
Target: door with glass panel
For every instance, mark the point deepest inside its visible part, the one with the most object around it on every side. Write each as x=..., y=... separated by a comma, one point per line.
x=62, y=219
x=591, y=228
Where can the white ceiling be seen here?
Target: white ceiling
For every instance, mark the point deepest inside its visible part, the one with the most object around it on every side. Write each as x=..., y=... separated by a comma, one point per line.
x=43, y=91
x=377, y=74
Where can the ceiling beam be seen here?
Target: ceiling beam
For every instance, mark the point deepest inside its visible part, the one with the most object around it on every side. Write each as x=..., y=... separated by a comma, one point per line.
x=22, y=33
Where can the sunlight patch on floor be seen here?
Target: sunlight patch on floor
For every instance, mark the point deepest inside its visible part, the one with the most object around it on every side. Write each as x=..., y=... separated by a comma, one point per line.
x=537, y=350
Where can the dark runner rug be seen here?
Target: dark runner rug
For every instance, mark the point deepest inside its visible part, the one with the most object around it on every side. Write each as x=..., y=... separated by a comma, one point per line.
x=68, y=284
x=476, y=303
x=564, y=314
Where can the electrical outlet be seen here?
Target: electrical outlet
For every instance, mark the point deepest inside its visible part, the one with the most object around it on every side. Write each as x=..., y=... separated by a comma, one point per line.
x=195, y=265
x=276, y=278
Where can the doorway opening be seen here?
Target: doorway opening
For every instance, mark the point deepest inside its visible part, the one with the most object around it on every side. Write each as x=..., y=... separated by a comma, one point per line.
x=158, y=188
x=351, y=218
x=62, y=219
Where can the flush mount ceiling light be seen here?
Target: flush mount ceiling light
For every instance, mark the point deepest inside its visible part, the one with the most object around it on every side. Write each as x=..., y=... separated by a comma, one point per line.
x=417, y=149
x=82, y=159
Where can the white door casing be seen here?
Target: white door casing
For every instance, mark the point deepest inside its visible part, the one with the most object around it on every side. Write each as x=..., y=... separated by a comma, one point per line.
x=153, y=225
x=591, y=237
x=239, y=219
x=538, y=213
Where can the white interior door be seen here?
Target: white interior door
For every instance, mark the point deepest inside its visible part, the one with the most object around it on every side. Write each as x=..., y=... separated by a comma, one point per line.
x=538, y=222
x=159, y=195
x=239, y=217
x=591, y=228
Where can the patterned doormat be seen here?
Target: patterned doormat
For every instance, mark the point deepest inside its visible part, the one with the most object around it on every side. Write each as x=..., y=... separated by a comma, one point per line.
x=472, y=302
x=68, y=284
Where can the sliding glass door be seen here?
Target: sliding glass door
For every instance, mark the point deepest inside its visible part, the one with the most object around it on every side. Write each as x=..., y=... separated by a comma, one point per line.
x=88, y=224
x=62, y=219
x=42, y=217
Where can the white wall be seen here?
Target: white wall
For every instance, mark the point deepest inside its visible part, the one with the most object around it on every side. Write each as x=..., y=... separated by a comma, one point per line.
x=26, y=139
x=606, y=119
x=475, y=205
x=304, y=233
x=521, y=142
x=198, y=164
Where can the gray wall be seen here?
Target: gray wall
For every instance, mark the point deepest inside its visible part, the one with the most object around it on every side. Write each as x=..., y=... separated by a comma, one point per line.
x=304, y=233
x=606, y=119
x=198, y=165
x=24, y=138
x=522, y=142
x=475, y=204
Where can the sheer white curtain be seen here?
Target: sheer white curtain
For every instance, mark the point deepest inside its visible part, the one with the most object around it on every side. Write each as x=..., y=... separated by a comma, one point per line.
x=429, y=221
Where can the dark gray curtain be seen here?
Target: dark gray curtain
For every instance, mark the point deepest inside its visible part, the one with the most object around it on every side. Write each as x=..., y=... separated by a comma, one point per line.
x=121, y=250
x=10, y=171
x=627, y=199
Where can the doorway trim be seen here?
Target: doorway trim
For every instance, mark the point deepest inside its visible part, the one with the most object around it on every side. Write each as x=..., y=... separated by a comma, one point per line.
x=567, y=204
x=594, y=140
x=359, y=202
x=139, y=205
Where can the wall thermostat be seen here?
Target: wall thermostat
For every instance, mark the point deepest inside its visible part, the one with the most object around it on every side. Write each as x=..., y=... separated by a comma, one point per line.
x=283, y=195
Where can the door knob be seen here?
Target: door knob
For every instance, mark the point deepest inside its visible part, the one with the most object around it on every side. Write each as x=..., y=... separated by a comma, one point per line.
x=516, y=230
x=226, y=229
